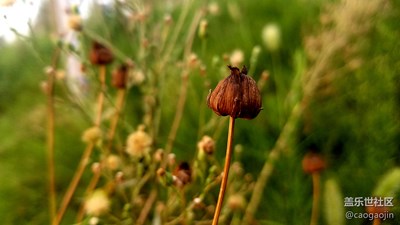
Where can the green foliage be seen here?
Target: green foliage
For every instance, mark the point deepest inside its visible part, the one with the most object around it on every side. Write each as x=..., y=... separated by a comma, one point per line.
x=351, y=117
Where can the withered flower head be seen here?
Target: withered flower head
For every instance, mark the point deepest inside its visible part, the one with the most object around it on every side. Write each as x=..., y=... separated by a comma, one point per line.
x=120, y=77
x=313, y=162
x=183, y=174
x=237, y=96
x=100, y=54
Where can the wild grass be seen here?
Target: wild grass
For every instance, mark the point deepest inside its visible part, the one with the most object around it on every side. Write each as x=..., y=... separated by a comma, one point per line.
x=152, y=152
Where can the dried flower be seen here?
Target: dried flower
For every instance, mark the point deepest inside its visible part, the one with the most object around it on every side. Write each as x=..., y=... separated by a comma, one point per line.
x=183, y=174
x=97, y=203
x=236, y=96
x=138, y=143
x=313, y=162
x=92, y=135
x=271, y=36
x=207, y=145
x=100, y=54
x=119, y=77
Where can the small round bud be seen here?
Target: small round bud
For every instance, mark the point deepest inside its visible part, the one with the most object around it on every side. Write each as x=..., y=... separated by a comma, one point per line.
x=237, y=96
x=96, y=167
x=271, y=36
x=138, y=143
x=113, y=162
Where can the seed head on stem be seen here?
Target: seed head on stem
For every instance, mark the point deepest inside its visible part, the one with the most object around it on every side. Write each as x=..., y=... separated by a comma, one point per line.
x=236, y=96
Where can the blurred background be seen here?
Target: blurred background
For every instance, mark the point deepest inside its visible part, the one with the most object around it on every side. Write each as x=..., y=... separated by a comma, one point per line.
x=328, y=72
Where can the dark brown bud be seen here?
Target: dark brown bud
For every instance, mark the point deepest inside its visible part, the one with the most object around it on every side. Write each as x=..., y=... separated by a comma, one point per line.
x=120, y=77
x=183, y=174
x=100, y=54
x=237, y=96
x=313, y=162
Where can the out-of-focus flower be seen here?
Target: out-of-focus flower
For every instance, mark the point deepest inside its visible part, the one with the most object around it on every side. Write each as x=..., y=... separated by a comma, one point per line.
x=100, y=54
x=236, y=202
x=7, y=2
x=182, y=174
x=136, y=77
x=206, y=145
x=98, y=203
x=236, y=58
x=120, y=77
x=313, y=162
x=271, y=36
x=113, y=162
x=138, y=143
x=75, y=22
x=213, y=8
x=92, y=135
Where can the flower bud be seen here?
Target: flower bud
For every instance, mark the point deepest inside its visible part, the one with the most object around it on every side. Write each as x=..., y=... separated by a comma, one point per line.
x=236, y=96
x=100, y=54
x=183, y=174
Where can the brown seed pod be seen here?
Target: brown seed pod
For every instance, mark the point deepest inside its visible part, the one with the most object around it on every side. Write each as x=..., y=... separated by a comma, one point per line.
x=237, y=96
x=183, y=174
x=100, y=54
x=313, y=162
x=120, y=76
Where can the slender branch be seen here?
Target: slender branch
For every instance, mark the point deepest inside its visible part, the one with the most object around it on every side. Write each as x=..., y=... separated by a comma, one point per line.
x=74, y=183
x=280, y=147
x=50, y=139
x=114, y=123
x=89, y=190
x=146, y=208
x=88, y=151
x=226, y=171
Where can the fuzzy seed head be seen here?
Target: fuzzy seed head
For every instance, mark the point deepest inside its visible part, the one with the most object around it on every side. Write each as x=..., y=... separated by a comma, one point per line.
x=92, y=135
x=207, y=145
x=236, y=58
x=113, y=162
x=98, y=203
x=138, y=143
x=237, y=96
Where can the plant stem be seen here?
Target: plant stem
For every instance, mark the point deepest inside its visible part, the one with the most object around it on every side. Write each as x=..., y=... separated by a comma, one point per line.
x=315, y=204
x=88, y=151
x=226, y=171
x=100, y=100
x=115, y=119
x=50, y=140
x=74, y=183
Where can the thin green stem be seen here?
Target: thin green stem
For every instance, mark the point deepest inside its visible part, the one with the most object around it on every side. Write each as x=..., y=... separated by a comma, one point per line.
x=226, y=171
x=51, y=140
x=316, y=194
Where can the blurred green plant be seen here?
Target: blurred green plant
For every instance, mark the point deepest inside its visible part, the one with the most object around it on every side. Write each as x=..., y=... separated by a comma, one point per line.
x=329, y=76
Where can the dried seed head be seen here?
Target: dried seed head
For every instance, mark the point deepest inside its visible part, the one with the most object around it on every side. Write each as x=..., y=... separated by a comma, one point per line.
x=183, y=174
x=120, y=77
x=313, y=162
x=100, y=54
x=236, y=96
